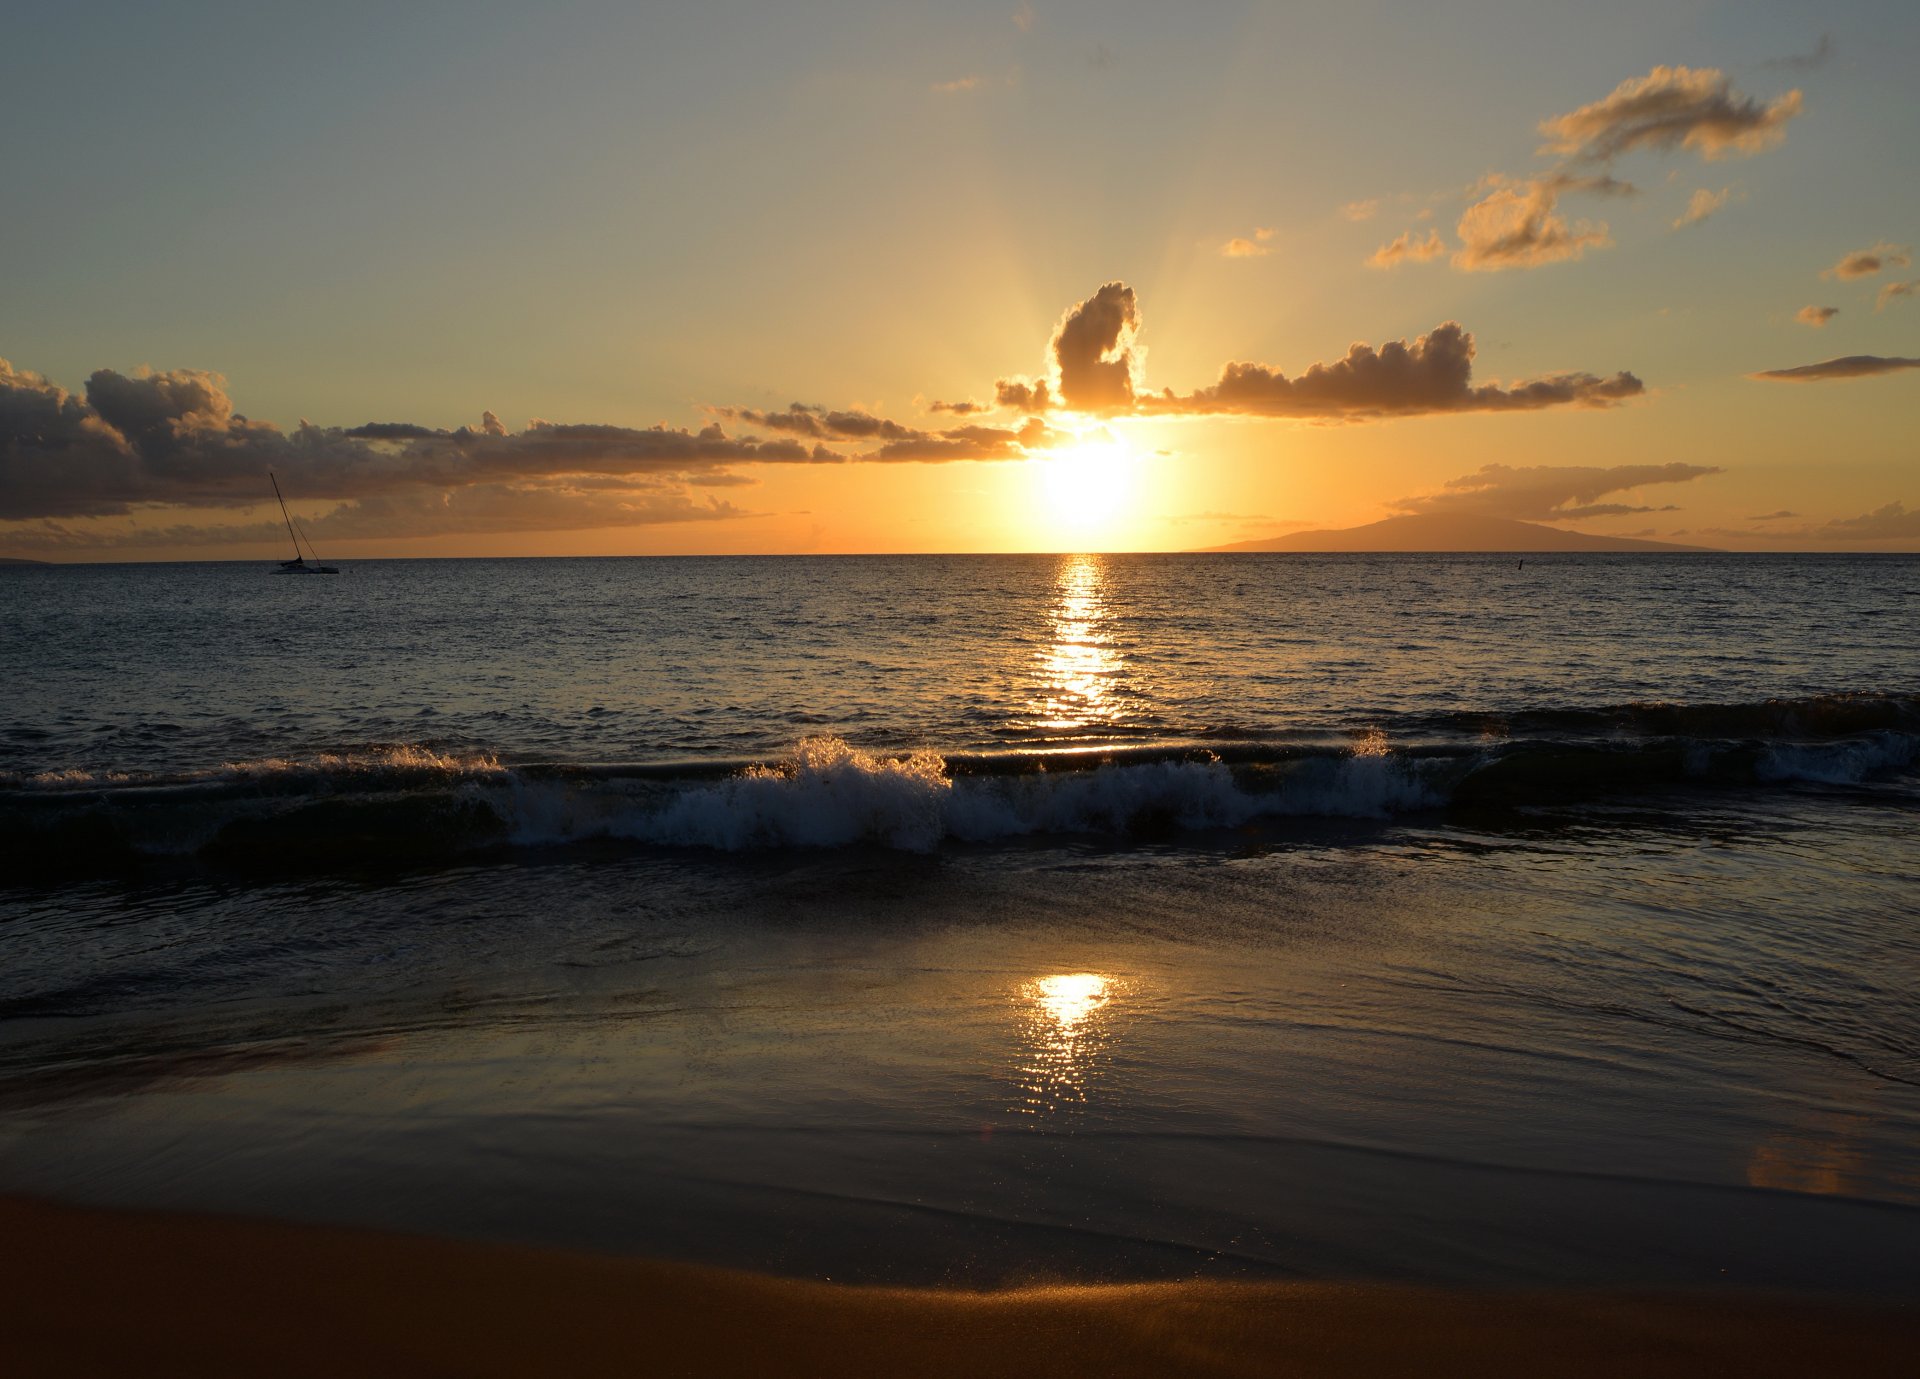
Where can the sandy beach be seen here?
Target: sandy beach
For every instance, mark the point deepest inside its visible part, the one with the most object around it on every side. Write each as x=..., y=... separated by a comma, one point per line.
x=93, y=1292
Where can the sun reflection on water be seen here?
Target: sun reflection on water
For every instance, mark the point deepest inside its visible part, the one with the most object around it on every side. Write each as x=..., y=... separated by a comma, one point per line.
x=1066, y=1030
x=1079, y=670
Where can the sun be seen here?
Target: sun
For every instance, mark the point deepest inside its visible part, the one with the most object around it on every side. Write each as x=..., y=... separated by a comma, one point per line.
x=1089, y=487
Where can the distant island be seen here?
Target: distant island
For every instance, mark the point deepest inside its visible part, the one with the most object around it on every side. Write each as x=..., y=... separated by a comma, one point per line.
x=16, y=560
x=1451, y=532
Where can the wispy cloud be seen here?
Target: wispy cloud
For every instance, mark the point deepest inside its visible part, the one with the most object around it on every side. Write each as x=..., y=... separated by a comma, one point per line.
x=1864, y=263
x=1516, y=226
x=1816, y=316
x=1361, y=210
x=1550, y=493
x=1700, y=205
x=1804, y=62
x=1891, y=291
x=959, y=85
x=1848, y=366
x=1406, y=249
x=1672, y=107
x=1240, y=247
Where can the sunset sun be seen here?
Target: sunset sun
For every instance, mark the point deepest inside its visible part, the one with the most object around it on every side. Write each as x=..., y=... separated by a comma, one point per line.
x=1090, y=487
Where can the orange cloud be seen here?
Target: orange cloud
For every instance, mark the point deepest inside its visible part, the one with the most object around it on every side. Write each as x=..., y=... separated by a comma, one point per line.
x=1700, y=205
x=1816, y=316
x=1408, y=249
x=1864, y=263
x=1671, y=107
x=1516, y=227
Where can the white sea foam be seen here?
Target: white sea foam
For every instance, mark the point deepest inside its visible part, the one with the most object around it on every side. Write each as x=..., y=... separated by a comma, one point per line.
x=1839, y=763
x=827, y=793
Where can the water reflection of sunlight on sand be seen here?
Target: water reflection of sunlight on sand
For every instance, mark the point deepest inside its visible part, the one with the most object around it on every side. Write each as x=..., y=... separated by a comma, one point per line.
x=1066, y=1030
x=1079, y=670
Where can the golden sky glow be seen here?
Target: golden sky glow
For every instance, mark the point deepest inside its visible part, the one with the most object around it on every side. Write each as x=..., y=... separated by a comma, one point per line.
x=858, y=283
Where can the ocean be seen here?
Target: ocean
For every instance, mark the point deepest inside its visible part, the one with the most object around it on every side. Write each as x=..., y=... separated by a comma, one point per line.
x=984, y=920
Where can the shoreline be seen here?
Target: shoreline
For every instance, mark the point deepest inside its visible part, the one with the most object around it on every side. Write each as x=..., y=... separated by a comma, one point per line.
x=96, y=1291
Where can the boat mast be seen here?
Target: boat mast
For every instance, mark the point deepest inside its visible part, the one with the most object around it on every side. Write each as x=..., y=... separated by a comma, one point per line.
x=284, y=514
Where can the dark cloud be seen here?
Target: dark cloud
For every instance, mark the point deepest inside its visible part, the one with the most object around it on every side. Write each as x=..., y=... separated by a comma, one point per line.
x=822, y=424
x=1895, y=521
x=1804, y=62
x=1864, y=263
x=1023, y=396
x=1672, y=107
x=1550, y=492
x=970, y=443
x=1848, y=366
x=1433, y=374
x=965, y=408
x=1092, y=358
x=174, y=439
x=1091, y=349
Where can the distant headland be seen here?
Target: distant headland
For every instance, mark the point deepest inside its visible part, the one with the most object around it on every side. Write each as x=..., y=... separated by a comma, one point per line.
x=1451, y=533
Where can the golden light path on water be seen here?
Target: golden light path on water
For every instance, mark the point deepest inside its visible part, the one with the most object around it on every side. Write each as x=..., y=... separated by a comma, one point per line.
x=1080, y=670
x=1067, y=1028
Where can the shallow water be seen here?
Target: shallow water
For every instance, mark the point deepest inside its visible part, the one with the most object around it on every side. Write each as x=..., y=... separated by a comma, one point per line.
x=1470, y=970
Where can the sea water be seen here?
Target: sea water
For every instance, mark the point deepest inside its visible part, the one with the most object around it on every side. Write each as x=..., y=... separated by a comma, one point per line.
x=977, y=919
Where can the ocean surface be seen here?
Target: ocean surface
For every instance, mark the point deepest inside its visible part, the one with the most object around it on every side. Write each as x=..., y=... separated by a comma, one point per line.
x=984, y=919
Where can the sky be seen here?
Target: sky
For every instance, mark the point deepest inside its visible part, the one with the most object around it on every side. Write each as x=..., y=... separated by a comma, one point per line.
x=502, y=279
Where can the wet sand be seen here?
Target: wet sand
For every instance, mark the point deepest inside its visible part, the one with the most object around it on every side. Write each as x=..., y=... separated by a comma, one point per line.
x=93, y=1292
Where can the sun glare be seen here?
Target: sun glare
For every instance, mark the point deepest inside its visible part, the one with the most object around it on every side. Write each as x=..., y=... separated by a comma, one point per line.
x=1091, y=486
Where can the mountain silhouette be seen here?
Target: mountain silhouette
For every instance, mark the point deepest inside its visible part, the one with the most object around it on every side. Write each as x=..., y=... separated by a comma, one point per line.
x=1450, y=532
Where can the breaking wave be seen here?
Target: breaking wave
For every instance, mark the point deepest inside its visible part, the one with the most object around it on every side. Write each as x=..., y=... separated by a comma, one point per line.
x=403, y=803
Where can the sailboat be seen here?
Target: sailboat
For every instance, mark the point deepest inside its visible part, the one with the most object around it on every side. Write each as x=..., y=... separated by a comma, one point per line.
x=298, y=565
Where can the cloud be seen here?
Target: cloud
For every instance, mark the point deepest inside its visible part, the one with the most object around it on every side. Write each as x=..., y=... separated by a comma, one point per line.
x=1816, y=316
x=964, y=408
x=1804, y=62
x=1550, y=493
x=1700, y=205
x=1361, y=210
x=969, y=443
x=174, y=440
x=1773, y=516
x=1515, y=227
x=1023, y=19
x=1895, y=521
x=1240, y=247
x=1671, y=107
x=1092, y=356
x=1431, y=375
x=1890, y=291
x=1849, y=366
x=958, y=85
x=1096, y=367
x=1408, y=249
x=818, y=423
x=1864, y=263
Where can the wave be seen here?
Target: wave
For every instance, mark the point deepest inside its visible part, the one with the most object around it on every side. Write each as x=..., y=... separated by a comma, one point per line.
x=408, y=802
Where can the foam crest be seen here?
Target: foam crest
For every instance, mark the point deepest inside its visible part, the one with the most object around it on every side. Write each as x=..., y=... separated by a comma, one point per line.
x=824, y=794
x=1839, y=763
